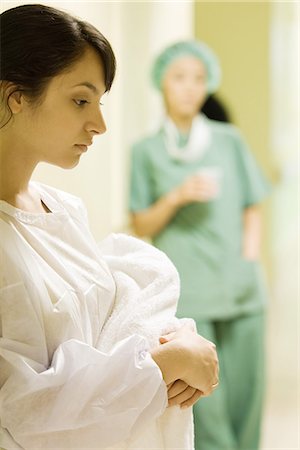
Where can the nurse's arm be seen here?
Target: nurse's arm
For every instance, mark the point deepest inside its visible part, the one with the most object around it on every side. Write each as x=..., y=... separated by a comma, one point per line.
x=252, y=225
x=152, y=220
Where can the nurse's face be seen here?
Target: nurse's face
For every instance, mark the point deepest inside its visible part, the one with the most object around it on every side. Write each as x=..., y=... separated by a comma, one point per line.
x=184, y=87
x=60, y=128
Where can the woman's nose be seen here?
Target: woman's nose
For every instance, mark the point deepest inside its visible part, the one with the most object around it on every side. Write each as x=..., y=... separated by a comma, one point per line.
x=97, y=124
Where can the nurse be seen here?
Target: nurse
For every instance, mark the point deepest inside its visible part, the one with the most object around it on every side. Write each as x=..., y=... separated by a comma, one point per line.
x=58, y=390
x=196, y=190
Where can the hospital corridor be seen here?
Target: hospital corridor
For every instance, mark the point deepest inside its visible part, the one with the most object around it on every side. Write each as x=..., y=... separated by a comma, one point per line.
x=198, y=154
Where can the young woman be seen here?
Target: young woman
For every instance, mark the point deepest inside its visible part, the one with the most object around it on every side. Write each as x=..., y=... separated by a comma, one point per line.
x=195, y=190
x=57, y=389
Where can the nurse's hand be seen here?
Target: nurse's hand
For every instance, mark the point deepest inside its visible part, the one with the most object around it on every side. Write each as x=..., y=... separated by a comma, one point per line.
x=197, y=188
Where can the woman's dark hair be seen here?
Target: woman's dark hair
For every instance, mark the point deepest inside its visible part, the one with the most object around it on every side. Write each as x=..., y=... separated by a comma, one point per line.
x=38, y=42
x=214, y=109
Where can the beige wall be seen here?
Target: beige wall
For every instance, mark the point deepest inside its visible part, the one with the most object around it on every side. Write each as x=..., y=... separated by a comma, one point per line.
x=239, y=34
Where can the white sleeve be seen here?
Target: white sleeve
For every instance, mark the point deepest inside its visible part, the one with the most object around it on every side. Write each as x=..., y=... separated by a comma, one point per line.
x=78, y=398
x=56, y=390
x=85, y=399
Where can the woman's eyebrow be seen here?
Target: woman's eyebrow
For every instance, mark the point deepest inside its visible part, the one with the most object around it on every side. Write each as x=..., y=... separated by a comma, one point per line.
x=88, y=85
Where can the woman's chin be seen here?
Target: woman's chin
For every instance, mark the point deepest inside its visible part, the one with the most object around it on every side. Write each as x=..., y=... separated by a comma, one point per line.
x=70, y=164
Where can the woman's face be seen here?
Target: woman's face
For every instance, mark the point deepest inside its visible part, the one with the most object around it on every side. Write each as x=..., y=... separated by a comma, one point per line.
x=184, y=87
x=62, y=126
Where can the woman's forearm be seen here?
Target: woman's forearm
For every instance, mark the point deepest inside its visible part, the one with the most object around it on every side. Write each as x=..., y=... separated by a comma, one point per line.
x=150, y=221
x=251, y=232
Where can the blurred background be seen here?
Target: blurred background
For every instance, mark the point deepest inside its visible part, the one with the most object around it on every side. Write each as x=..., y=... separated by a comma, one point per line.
x=258, y=47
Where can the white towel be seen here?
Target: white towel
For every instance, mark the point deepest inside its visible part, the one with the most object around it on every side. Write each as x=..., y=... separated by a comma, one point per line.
x=146, y=298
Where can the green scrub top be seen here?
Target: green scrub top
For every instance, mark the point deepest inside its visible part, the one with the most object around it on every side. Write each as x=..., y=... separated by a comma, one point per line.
x=204, y=239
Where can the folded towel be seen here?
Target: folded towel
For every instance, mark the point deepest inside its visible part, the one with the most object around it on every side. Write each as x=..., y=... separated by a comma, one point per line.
x=147, y=291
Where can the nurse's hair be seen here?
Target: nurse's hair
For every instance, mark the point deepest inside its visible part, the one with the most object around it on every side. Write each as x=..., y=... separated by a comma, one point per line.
x=39, y=42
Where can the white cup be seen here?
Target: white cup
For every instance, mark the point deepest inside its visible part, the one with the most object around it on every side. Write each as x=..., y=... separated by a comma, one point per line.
x=213, y=175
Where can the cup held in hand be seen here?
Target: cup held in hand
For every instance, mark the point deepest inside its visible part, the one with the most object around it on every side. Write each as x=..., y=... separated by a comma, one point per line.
x=213, y=176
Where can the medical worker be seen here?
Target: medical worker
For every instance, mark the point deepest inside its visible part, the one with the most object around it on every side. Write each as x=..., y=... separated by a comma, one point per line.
x=196, y=191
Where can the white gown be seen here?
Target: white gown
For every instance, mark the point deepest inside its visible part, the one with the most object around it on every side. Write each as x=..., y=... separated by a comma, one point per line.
x=57, y=390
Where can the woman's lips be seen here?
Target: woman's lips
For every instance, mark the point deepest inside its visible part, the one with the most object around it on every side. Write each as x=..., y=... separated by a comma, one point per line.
x=82, y=147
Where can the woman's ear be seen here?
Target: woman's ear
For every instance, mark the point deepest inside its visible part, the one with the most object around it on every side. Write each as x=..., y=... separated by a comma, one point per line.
x=15, y=100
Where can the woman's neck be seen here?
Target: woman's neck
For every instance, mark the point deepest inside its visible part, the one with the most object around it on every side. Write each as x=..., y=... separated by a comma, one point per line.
x=183, y=123
x=16, y=172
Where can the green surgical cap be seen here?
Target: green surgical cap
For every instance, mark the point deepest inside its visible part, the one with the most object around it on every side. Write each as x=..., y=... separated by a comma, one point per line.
x=187, y=48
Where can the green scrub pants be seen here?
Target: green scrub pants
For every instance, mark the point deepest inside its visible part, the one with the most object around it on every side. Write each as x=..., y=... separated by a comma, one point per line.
x=230, y=418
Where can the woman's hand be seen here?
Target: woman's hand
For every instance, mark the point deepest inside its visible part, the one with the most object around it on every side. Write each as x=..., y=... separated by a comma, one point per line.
x=196, y=188
x=202, y=371
x=189, y=357
x=183, y=395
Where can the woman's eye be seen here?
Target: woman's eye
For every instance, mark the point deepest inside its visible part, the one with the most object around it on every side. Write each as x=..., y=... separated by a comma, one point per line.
x=80, y=102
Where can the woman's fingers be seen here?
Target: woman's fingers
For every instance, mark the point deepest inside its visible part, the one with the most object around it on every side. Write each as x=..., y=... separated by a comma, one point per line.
x=176, y=334
x=176, y=388
x=183, y=397
x=179, y=393
x=192, y=400
x=166, y=338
